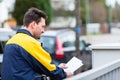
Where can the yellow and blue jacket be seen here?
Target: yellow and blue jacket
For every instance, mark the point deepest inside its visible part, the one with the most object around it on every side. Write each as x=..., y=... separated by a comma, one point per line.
x=25, y=59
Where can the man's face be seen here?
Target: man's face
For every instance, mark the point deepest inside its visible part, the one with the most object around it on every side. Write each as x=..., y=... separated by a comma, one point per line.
x=39, y=29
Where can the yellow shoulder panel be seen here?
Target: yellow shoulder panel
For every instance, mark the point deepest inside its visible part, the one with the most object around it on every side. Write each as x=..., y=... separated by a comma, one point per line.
x=34, y=48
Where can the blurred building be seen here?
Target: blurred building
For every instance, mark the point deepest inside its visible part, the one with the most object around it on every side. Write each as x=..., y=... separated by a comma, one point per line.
x=63, y=4
x=6, y=6
x=96, y=16
x=61, y=21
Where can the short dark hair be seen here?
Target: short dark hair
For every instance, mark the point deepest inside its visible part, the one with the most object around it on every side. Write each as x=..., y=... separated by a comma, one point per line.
x=33, y=14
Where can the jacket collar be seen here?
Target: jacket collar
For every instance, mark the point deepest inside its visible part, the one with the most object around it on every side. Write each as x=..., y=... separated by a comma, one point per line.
x=25, y=32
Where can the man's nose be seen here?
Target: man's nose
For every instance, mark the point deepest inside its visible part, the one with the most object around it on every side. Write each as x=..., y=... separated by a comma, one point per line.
x=43, y=30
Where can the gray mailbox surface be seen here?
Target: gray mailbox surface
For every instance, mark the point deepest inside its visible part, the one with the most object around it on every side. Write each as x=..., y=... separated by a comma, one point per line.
x=104, y=53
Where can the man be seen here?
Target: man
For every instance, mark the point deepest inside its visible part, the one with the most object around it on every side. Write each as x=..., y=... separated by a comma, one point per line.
x=24, y=58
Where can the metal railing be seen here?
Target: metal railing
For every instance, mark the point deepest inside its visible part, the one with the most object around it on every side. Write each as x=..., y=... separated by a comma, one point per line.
x=109, y=71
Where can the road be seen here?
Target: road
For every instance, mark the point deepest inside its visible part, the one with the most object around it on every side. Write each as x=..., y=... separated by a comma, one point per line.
x=113, y=37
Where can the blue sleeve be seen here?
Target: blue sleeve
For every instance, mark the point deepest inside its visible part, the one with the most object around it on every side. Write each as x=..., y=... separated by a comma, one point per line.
x=57, y=74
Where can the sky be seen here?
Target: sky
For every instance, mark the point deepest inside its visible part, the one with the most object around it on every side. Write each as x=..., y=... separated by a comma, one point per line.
x=112, y=2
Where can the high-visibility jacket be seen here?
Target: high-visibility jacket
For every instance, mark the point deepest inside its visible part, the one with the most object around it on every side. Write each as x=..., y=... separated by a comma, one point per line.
x=25, y=59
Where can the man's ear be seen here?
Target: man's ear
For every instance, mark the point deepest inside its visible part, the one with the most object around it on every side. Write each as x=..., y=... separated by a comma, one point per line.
x=32, y=24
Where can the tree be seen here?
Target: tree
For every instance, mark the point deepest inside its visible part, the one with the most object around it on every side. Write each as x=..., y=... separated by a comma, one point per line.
x=83, y=11
x=77, y=29
x=98, y=11
x=21, y=6
x=115, y=12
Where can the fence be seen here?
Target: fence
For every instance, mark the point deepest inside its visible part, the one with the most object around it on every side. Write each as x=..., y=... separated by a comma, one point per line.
x=109, y=71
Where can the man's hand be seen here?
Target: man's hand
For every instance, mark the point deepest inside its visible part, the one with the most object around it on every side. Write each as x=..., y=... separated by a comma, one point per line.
x=69, y=73
x=64, y=66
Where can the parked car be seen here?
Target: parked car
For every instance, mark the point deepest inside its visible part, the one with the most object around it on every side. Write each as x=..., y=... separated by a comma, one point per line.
x=5, y=35
x=61, y=46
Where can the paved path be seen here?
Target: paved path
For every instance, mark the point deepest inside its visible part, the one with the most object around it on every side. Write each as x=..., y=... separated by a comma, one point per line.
x=113, y=37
